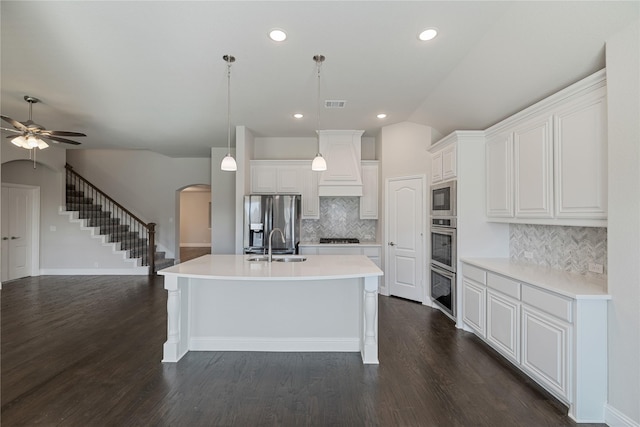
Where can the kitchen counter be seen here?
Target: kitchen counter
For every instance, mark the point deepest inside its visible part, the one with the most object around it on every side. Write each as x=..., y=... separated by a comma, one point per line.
x=227, y=303
x=571, y=285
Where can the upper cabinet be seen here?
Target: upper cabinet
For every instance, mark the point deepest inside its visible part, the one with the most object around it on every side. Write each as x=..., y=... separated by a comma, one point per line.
x=342, y=149
x=443, y=162
x=548, y=163
x=369, y=199
x=287, y=177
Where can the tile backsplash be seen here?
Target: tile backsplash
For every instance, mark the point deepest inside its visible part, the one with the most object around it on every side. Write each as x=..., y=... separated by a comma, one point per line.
x=339, y=217
x=564, y=248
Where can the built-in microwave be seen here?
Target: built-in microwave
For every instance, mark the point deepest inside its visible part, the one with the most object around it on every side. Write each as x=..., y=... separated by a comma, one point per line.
x=443, y=199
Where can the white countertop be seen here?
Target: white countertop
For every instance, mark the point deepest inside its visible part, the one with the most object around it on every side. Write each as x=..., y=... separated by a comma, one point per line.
x=572, y=285
x=236, y=267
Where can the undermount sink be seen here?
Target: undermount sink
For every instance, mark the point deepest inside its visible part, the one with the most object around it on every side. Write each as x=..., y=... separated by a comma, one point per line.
x=290, y=259
x=258, y=258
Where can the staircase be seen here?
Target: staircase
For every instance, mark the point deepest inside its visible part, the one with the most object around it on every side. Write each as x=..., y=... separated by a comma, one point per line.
x=125, y=231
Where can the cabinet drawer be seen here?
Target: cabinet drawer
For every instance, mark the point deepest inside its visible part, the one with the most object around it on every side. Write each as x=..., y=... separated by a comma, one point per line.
x=547, y=302
x=474, y=273
x=503, y=284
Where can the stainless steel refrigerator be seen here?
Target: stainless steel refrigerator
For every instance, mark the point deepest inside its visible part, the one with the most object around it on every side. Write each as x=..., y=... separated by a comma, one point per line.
x=264, y=213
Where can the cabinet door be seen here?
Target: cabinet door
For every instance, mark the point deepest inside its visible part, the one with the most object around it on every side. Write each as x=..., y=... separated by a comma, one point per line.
x=499, y=162
x=534, y=169
x=449, y=166
x=545, y=350
x=436, y=167
x=310, y=199
x=503, y=324
x=369, y=198
x=289, y=179
x=264, y=179
x=581, y=158
x=473, y=306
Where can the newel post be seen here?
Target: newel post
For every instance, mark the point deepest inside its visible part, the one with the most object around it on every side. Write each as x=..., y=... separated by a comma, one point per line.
x=151, y=250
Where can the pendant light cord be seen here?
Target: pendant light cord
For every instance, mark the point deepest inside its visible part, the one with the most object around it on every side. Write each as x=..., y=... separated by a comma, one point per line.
x=319, y=64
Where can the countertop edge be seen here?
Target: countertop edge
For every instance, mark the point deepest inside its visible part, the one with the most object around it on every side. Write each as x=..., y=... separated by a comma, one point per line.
x=574, y=285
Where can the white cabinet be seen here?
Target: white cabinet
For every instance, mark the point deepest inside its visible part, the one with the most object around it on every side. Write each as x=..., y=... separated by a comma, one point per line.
x=534, y=168
x=581, y=157
x=310, y=199
x=503, y=324
x=557, y=173
x=473, y=306
x=443, y=162
x=287, y=177
x=499, y=159
x=372, y=251
x=557, y=340
x=545, y=350
x=342, y=149
x=369, y=199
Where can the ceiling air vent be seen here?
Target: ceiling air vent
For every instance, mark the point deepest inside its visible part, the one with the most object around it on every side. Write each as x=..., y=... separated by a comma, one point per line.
x=334, y=104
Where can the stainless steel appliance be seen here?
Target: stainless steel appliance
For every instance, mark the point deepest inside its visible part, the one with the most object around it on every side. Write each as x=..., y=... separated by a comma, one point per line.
x=444, y=263
x=443, y=199
x=264, y=213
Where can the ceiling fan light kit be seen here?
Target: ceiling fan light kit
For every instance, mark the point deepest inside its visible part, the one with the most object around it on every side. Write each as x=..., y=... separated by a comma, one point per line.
x=32, y=135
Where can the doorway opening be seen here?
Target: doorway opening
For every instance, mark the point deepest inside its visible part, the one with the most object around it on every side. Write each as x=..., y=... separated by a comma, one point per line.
x=193, y=234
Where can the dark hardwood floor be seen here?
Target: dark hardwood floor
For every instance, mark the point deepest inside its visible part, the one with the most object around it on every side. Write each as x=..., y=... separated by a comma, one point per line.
x=86, y=351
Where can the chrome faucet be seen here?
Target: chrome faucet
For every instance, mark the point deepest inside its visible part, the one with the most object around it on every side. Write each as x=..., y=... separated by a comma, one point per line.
x=271, y=235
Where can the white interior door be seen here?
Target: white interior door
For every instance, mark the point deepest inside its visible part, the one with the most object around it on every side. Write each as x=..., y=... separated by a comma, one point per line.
x=405, y=237
x=17, y=229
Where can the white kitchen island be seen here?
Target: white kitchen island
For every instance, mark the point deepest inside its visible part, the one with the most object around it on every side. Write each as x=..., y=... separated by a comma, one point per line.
x=327, y=303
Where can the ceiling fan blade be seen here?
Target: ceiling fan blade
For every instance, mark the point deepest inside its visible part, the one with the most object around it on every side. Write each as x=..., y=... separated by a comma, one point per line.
x=61, y=133
x=16, y=124
x=58, y=139
x=11, y=130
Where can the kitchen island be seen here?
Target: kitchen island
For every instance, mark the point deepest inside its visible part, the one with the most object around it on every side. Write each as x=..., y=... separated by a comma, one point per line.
x=326, y=303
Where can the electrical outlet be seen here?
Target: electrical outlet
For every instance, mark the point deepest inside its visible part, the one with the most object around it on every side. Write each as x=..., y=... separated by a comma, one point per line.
x=528, y=255
x=596, y=268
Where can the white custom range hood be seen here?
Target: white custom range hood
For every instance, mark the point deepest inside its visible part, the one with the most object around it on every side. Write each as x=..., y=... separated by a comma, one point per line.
x=342, y=149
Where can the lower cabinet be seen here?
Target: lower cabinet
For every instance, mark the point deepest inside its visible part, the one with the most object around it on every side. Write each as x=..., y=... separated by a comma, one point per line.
x=558, y=341
x=545, y=349
x=373, y=252
x=503, y=324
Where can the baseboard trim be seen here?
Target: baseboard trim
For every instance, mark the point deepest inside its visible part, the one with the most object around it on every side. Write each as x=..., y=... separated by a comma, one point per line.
x=195, y=245
x=274, y=344
x=138, y=271
x=615, y=418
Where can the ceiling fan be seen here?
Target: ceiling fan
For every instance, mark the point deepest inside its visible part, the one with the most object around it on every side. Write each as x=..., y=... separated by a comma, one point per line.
x=32, y=134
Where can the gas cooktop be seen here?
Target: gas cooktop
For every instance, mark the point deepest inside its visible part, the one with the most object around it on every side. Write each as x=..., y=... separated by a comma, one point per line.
x=339, y=240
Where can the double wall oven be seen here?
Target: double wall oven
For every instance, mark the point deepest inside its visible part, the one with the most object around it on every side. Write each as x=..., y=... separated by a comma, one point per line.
x=444, y=246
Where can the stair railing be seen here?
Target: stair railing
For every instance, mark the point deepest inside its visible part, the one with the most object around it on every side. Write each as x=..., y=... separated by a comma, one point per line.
x=120, y=221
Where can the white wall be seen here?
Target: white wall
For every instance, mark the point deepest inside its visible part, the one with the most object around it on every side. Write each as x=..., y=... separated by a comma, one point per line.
x=54, y=156
x=145, y=183
x=403, y=152
x=292, y=148
x=223, y=204
x=623, y=71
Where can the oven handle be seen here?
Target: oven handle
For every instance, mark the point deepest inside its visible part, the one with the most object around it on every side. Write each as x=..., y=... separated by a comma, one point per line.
x=443, y=230
x=445, y=273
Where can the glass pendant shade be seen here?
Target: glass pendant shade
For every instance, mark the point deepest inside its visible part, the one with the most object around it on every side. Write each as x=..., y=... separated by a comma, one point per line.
x=20, y=141
x=319, y=163
x=228, y=163
x=42, y=145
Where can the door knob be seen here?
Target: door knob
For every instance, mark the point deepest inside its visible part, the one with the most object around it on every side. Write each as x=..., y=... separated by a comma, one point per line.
x=391, y=244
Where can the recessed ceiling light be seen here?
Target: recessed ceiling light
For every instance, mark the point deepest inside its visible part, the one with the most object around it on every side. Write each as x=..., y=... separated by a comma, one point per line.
x=277, y=35
x=428, y=34
x=298, y=115
x=381, y=116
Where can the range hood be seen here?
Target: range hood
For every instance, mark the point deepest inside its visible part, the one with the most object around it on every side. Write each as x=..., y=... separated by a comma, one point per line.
x=342, y=149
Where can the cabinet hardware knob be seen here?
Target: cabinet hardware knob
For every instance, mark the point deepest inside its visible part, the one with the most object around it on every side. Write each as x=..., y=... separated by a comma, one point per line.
x=391, y=244
x=5, y=238
x=14, y=238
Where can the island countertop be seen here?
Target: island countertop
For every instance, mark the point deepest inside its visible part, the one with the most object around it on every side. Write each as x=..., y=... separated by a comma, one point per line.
x=237, y=267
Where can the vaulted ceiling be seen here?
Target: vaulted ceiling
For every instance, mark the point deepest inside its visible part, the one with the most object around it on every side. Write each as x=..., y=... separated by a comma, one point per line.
x=150, y=74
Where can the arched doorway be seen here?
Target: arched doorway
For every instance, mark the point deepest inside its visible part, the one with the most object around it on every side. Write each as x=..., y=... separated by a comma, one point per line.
x=194, y=230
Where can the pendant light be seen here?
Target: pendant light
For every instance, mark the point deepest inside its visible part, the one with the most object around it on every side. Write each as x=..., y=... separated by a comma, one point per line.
x=229, y=163
x=318, y=164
